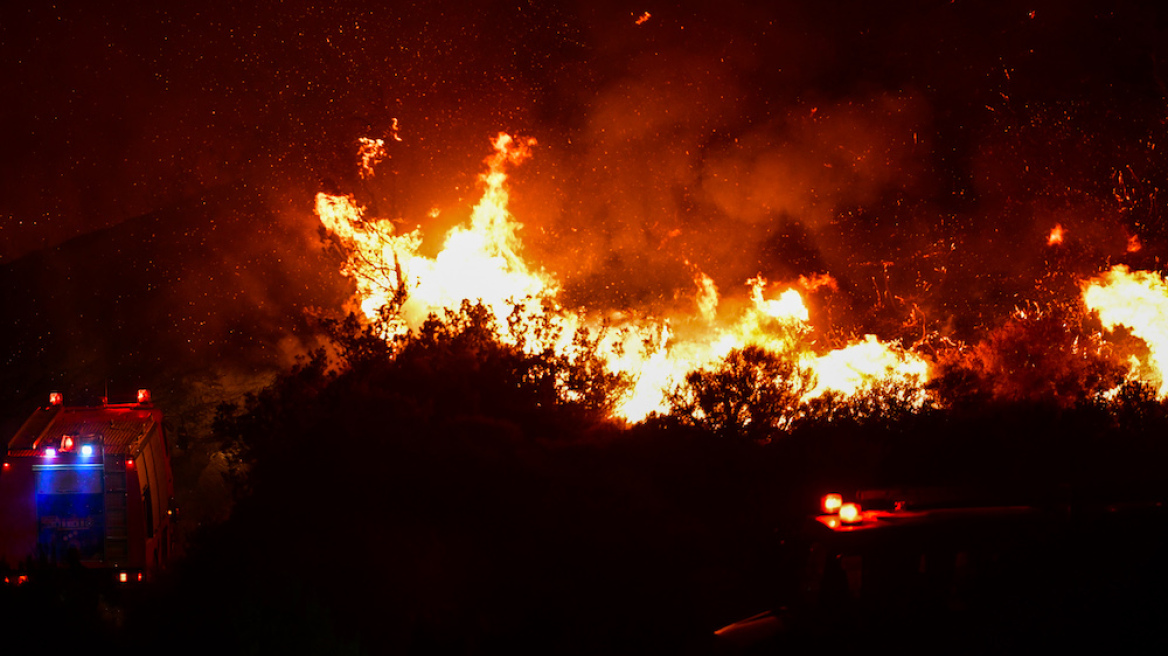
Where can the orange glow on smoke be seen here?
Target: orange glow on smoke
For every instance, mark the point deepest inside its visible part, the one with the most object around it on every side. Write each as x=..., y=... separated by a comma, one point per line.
x=483, y=262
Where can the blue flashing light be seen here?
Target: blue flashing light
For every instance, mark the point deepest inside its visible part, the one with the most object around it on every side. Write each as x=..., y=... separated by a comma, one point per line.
x=86, y=450
x=50, y=453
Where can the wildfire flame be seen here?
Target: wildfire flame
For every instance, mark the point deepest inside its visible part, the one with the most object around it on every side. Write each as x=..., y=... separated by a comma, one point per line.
x=1139, y=301
x=482, y=262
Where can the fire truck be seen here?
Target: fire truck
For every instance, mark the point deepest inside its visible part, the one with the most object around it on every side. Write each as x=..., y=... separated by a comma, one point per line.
x=945, y=570
x=89, y=486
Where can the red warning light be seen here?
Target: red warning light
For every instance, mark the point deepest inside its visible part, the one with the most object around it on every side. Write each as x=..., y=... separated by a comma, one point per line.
x=56, y=398
x=849, y=513
x=129, y=463
x=143, y=396
x=832, y=503
x=67, y=443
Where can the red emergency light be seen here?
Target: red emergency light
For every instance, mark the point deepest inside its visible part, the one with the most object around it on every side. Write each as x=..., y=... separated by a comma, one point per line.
x=849, y=513
x=832, y=502
x=143, y=396
x=56, y=398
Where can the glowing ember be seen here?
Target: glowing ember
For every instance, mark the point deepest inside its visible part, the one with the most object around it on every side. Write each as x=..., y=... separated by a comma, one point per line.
x=1139, y=301
x=1057, y=233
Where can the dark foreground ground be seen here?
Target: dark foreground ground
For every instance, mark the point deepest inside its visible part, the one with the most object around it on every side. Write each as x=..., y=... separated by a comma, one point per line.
x=645, y=544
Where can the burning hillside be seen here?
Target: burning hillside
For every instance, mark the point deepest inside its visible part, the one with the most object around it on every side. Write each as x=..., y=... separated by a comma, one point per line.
x=483, y=261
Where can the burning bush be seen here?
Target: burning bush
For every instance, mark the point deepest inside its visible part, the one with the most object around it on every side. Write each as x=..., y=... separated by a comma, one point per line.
x=1046, y=357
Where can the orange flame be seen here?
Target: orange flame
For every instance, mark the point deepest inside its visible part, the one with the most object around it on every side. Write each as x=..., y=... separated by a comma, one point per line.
x=371, y=152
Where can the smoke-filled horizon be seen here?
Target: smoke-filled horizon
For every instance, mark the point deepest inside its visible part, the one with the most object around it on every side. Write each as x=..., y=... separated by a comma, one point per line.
x=920, y=155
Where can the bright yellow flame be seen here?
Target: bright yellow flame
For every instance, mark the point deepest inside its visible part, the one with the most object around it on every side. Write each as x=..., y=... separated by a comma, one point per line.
x=1139, y=301
x=787, y=307
x=855, y=368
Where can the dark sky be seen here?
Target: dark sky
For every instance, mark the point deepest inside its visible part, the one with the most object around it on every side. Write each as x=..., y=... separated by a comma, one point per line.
x=916, y=150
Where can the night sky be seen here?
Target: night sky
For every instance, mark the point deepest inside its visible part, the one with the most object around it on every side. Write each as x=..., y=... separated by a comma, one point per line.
x=918, y=152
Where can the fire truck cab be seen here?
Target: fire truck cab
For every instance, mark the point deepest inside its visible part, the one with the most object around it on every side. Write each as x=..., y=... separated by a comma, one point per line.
x=89, y=486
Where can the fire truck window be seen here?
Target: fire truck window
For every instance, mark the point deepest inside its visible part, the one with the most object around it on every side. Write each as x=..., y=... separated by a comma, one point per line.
x=69, y=480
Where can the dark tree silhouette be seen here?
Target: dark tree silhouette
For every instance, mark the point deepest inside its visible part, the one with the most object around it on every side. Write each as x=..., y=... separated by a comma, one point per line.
x=752, y=394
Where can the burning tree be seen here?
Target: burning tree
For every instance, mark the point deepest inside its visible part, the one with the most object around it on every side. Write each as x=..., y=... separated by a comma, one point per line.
x=1045, y=357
